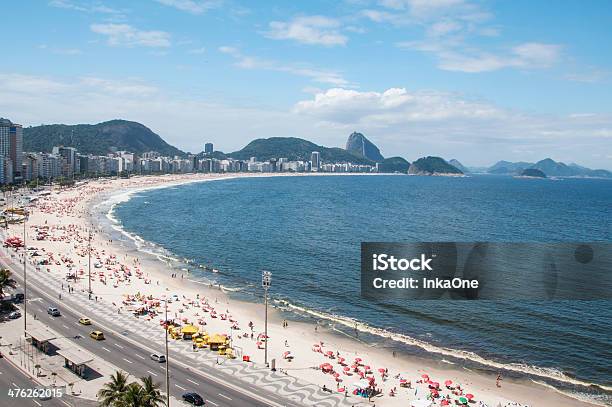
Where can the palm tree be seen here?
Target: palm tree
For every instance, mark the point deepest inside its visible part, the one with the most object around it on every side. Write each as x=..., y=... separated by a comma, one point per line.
x=6, y=281
x=134, y=396
x=112, y=392
x=153, y=396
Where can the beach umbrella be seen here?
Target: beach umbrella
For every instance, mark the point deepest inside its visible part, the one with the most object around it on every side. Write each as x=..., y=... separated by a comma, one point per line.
x=436, y=385
x=346, y=368
x=424, y=376
x=463, y=400
x=448, y=382
x=469, y=396
x=444, y=402
x=381, y=370
x=336, y=375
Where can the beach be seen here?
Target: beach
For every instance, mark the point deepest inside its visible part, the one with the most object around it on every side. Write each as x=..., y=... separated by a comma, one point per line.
x=63, y=225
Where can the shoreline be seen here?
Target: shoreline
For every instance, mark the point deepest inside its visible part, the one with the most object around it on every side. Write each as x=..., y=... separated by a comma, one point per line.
x=340, y=340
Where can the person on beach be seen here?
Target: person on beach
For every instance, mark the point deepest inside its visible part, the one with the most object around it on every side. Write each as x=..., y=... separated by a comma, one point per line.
x=498, y=380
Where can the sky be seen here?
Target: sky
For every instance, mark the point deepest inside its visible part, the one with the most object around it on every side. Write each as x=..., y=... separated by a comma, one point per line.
x=473, y=80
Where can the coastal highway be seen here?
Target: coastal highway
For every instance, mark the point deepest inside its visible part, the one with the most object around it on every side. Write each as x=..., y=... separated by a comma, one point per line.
x=11, y=377
x=135, y=359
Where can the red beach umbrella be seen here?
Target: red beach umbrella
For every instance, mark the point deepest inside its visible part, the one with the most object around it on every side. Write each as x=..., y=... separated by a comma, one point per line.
x=469, y=396
x=424, y=376
x=346, y=368
x=381, y=370
x=444, y=402
x=448, y=382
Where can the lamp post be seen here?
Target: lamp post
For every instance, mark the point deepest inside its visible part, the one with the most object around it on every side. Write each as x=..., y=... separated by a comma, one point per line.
x=89, y=262
x=25, y=275
x=266, y=282
x=167, y=360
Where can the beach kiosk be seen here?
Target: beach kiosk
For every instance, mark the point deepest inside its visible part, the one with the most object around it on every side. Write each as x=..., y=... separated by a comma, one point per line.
x=41, y=339
x=217, y=342
x=76, y=360
x=188, y=331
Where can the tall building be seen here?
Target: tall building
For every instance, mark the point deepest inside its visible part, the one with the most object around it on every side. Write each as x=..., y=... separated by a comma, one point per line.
x=315, y=160
x=11, y=145
x=70, y=162
x=208, y=148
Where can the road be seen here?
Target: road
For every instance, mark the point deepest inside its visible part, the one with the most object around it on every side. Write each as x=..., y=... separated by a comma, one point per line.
x=11, y=378
x=134, y=359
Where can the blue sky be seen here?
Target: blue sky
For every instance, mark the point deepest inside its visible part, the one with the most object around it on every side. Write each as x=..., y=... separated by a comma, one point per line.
x=477, y=81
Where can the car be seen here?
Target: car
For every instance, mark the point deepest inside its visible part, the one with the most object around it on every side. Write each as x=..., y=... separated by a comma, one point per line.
x=14, y=315
x=158, y=358
x=84, y=321
x=193, y=398
x=54, y=312
x=97, y=335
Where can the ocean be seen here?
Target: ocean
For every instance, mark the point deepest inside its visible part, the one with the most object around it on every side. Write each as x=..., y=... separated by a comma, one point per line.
x=307, y=231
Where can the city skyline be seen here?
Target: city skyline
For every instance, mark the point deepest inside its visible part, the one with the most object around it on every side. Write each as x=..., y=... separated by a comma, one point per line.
x=475, y=81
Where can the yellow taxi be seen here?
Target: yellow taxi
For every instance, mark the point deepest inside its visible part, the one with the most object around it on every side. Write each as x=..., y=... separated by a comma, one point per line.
x=97, y=335
x=84, y=321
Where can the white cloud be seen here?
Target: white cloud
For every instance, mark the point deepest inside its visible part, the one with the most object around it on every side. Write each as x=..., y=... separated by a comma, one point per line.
x=317, y=30
x=126, y=35
x=446, y=124
x=197, y=51
x=192, y=6
x=317, y=75
x=84, y=7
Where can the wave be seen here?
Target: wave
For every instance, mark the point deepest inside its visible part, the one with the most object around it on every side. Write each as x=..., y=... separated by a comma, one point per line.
x=522, y=368
x=354, y=324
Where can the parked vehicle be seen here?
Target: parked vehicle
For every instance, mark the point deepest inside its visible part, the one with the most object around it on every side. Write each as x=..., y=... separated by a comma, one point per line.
x=14, y=315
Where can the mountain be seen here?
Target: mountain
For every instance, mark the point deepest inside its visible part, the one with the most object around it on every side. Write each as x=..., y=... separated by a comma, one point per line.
x=549, y=167
x=533, y=172
x=294, y=149
x=432, y=165
x=359, y=145
x=508, y=168
x=99, y=139
x=394, y=164
x=455, y=163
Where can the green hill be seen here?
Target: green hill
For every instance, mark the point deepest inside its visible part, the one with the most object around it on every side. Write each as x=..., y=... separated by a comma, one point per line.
x=294, y=149
x=432, y=165
x=533, y=172
x=394, y=164
x=100, y=139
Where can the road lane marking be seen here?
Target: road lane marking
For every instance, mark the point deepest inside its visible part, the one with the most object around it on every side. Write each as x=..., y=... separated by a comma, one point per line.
x=117, y=345
x=180, y=387
x=211, y=402
x=129, y=361
x=189, y=380
x=141, y=357
x=154, y=374
x=13, y=383
x=65, y=326
x=65, y=403
x=37, y=403
x=108, y=350
x=224, y=396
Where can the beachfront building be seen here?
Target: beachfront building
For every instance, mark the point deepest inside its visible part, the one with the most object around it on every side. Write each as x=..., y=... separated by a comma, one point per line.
x=6, y=170
x=11, y=145
x=49, y=165
x=315, y=161
x=70, y=163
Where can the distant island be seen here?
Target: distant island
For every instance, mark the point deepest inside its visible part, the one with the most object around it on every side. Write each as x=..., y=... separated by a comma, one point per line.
x=433, y=166
x=533, y=173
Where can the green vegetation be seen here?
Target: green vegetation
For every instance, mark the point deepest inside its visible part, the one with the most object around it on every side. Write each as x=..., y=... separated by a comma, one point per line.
x=294, y=149
x=6, y=281
x=119, y=393
x=394, y=164
x=432, y=165
x=98, y=139
x=533, y=172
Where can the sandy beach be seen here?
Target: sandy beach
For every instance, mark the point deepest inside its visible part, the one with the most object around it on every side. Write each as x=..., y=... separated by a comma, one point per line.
x=61, y=224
